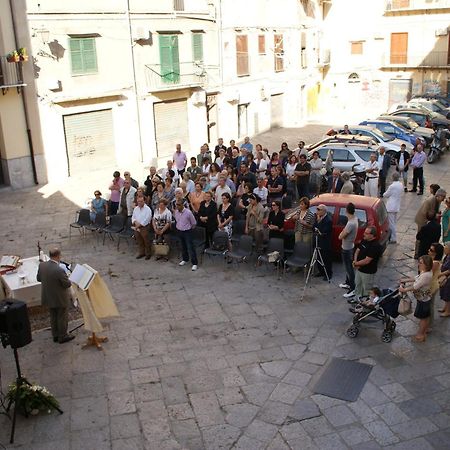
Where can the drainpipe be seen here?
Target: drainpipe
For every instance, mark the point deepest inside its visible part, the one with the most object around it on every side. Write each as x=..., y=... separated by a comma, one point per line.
x=24, y=103
x=138, y=114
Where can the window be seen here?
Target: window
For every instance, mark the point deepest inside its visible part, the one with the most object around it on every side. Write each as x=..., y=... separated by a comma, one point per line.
x=262, y=44
x=399, y=48
x=356, y=48
x=399, y=4
x=242, y=65
x=83, y=55
x=364, y=154
x=243, y=120
x=381, y=213
x=303, y=54
x=341, y=155
x=178, y=5
x=330, y=210
x=360, y=214
x=169, y=58
x=278, y=52
x=197, y=47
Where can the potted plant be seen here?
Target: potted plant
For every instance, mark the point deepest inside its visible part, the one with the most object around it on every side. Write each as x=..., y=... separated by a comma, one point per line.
x=23, y=56
x=13, y=57
x=32, y=398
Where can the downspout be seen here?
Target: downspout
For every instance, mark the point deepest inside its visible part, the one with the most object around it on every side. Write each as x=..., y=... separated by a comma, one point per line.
x=24, y=103
x=138, y=114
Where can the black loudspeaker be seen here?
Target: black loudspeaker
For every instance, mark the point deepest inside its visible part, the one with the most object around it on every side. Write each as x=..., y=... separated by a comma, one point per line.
x=15, y=328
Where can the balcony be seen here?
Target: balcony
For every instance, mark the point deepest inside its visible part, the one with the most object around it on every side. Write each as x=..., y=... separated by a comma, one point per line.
x=10, y=75
x=431, y=60
x=187, y=75
x=392, y=6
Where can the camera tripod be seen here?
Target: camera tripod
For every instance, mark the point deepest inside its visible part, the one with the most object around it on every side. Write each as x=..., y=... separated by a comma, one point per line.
x=315, y=259
x=20, y=381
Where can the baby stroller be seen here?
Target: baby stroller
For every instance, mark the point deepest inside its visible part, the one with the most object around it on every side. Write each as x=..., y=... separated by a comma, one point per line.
x=386, y=310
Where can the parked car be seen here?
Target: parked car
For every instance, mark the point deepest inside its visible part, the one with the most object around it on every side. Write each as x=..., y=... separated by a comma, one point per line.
x=431, y=105
x=345, y=156
x=394, y=130
x=343, y=138
x=368, y=210
x=411, y=126
x=392, y=145
x=442, y=99
x=419, y=116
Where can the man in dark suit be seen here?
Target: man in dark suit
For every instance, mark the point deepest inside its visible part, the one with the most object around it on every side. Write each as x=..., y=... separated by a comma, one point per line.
x=334, y=182
x=55, y=295
x=384, y=163
x=324, y=227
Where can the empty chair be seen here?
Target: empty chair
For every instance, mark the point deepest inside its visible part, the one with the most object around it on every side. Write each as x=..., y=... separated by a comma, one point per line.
x=274, y=245
x=219, y=245
x=243, y=249
x=116, y=224
x=301, y=256
x=82, y=220
x=238, y=230
x=99, y=223
x=127, y=233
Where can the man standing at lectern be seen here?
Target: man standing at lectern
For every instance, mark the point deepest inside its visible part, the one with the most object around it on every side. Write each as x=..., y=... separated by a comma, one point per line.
x=55, y=294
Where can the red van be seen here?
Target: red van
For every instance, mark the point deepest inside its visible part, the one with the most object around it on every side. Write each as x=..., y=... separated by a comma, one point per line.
x=369, y=211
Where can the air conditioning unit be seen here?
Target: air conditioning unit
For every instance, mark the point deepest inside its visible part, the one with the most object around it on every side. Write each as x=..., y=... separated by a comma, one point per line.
x=441, y=32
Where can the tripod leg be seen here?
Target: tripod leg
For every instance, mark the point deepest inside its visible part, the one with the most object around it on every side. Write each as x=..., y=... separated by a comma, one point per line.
x=320, y=260
x=308, y=276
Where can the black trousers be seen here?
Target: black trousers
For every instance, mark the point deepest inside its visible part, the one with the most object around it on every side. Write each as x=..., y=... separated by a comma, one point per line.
x=382, y=183
x=418, y=178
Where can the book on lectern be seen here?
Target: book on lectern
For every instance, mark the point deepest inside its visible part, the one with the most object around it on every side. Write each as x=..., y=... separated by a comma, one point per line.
x=82, y=276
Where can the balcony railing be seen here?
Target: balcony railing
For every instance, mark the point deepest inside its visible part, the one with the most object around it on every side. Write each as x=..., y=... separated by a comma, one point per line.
x=431, y=59
x=401, y=5
x=10, y=74
x=191, y=74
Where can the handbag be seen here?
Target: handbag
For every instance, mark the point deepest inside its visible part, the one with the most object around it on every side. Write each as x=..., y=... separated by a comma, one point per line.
x=404, y=305
x=161, y=249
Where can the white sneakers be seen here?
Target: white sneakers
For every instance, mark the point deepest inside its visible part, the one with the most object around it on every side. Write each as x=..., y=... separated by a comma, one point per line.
x=349, y=294
x=344, y=286
x=183, y=263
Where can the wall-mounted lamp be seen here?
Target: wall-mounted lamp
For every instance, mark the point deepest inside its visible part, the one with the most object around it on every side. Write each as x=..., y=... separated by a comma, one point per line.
x=44, y=34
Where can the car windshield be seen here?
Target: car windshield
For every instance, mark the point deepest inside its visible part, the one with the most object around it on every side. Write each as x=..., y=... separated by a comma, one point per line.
x=410, y=123
x=382, y=136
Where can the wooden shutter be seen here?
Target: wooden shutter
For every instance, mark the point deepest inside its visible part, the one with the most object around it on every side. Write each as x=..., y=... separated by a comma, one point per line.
x=83, y=55
x=197, y=46
x=278, y=52
x=399, y=48
x=89, y=55
x=262, y=44
x=399, y=4
x=169, y=57
x=242, y=55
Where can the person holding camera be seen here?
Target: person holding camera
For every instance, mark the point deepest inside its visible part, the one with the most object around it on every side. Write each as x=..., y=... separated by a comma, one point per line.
x=323, y=228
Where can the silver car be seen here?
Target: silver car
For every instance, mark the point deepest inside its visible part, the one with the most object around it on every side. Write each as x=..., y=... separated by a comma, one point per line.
x=346, y=157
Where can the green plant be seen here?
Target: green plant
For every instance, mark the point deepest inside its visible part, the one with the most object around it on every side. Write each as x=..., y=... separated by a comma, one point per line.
x=32, y=397
x=22, y=51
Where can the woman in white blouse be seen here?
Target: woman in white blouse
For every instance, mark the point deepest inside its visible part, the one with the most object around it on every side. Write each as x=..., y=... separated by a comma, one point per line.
x=315, y=178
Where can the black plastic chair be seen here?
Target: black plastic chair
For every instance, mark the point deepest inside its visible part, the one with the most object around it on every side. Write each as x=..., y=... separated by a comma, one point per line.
x=243, y=249
x=127, y=233
x=219, y=245
x=301, y=256
x=274, y=245
x=82, y=220
x=238, y=230
x=116, y=225
x=98, y=225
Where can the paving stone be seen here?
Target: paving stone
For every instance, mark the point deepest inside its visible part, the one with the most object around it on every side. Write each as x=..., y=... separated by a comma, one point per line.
x=439, y=439
x=274, y=412
x=363, y=412
x=258, y=393
x=303, y=409
x=232, y=377
x=125, y=426
x=134, y=443
x=292, y=432
x=148, y=411
x=247, y=443
x=180, y=412
x=396, y=392
x=381, y=432
x=330, y=442
x=315, y=358
x=206, y=409
x=98, y=438
x=372, y=395
x=278, y=444
x=89, y=412
x=355, y=435
x=85, y=385
x=146, y=375
x=285, y=393
x=148, y=392
x=441, y=420
x=240, y=415
x=297, y=378
x=229, y=396
x=173, y=390
x=324, y=402
x=317, y=426
x=262, y=431
x=185, y=430
x=121, y=403
x=391, y=413
x=414, y=428
x=276, y=368
x=156, y=430
x=339, y=415
x=419, y=407
x=220, y=437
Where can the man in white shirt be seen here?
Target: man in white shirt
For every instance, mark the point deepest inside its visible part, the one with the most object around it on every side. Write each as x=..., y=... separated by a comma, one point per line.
x=394, y=195
x=372, y=169
x=261, y=166
x=220, y=190
x=300, y=150
x=261, y=191
x=140, y=221
x=165, y=173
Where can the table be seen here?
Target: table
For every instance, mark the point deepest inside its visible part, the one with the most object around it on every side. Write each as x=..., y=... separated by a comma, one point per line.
x=27, y=290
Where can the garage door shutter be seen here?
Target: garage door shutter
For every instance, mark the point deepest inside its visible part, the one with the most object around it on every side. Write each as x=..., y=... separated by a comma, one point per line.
x=171, y=127
x=276, y=110
x=89, y=141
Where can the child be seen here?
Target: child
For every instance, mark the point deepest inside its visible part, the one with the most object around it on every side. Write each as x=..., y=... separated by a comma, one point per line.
x=370, y=303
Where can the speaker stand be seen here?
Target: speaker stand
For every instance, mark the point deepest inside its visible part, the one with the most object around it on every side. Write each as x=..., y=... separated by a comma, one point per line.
x=20, y=381
x=94, y=341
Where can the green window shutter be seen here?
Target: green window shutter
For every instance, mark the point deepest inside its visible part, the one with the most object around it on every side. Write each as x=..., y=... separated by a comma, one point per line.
x=75, y=56
x=89, y=55
x=197, y=46
x=83, y=55
x=169, y=58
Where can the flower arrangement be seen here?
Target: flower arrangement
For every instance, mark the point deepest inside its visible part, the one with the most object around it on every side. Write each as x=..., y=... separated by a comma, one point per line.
x=17, y=55
x=32, y=398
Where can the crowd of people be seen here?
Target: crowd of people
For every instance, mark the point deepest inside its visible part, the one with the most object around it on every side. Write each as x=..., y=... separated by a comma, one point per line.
x=219, y=189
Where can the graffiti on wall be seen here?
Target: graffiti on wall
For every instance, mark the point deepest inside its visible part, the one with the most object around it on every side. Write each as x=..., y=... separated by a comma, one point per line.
x=431, y=87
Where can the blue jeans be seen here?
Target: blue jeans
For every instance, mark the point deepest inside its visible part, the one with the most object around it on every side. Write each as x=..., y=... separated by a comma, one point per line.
x=187, y=246
x=347, y=260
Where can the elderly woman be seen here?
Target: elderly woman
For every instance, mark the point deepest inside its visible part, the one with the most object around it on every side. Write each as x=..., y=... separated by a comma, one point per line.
x=444, y=282
x=98, y=205
x=304, y=222
x=436, y=252
x=158, y=194
x=347, y=186
x=421, y=291
x=179, y=196
x=254, y=221
x=162, y=219
x=169, y=190
x=196, y=198
x=315, y=178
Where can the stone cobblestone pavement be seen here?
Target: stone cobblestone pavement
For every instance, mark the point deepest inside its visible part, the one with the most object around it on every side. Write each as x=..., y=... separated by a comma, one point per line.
x=226, y=357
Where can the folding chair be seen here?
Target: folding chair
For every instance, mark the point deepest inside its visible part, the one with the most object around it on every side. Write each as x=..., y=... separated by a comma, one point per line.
x=219, y=245
x=274, y=245
x=82, y=219
x=127, y=233
x=243, y=250
x=301, y=256
x=238, y=230
x=199, y=239
x=116, y=224
x=98, y=225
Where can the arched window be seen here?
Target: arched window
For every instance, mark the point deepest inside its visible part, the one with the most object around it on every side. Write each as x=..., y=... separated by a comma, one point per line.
x=353, y=78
